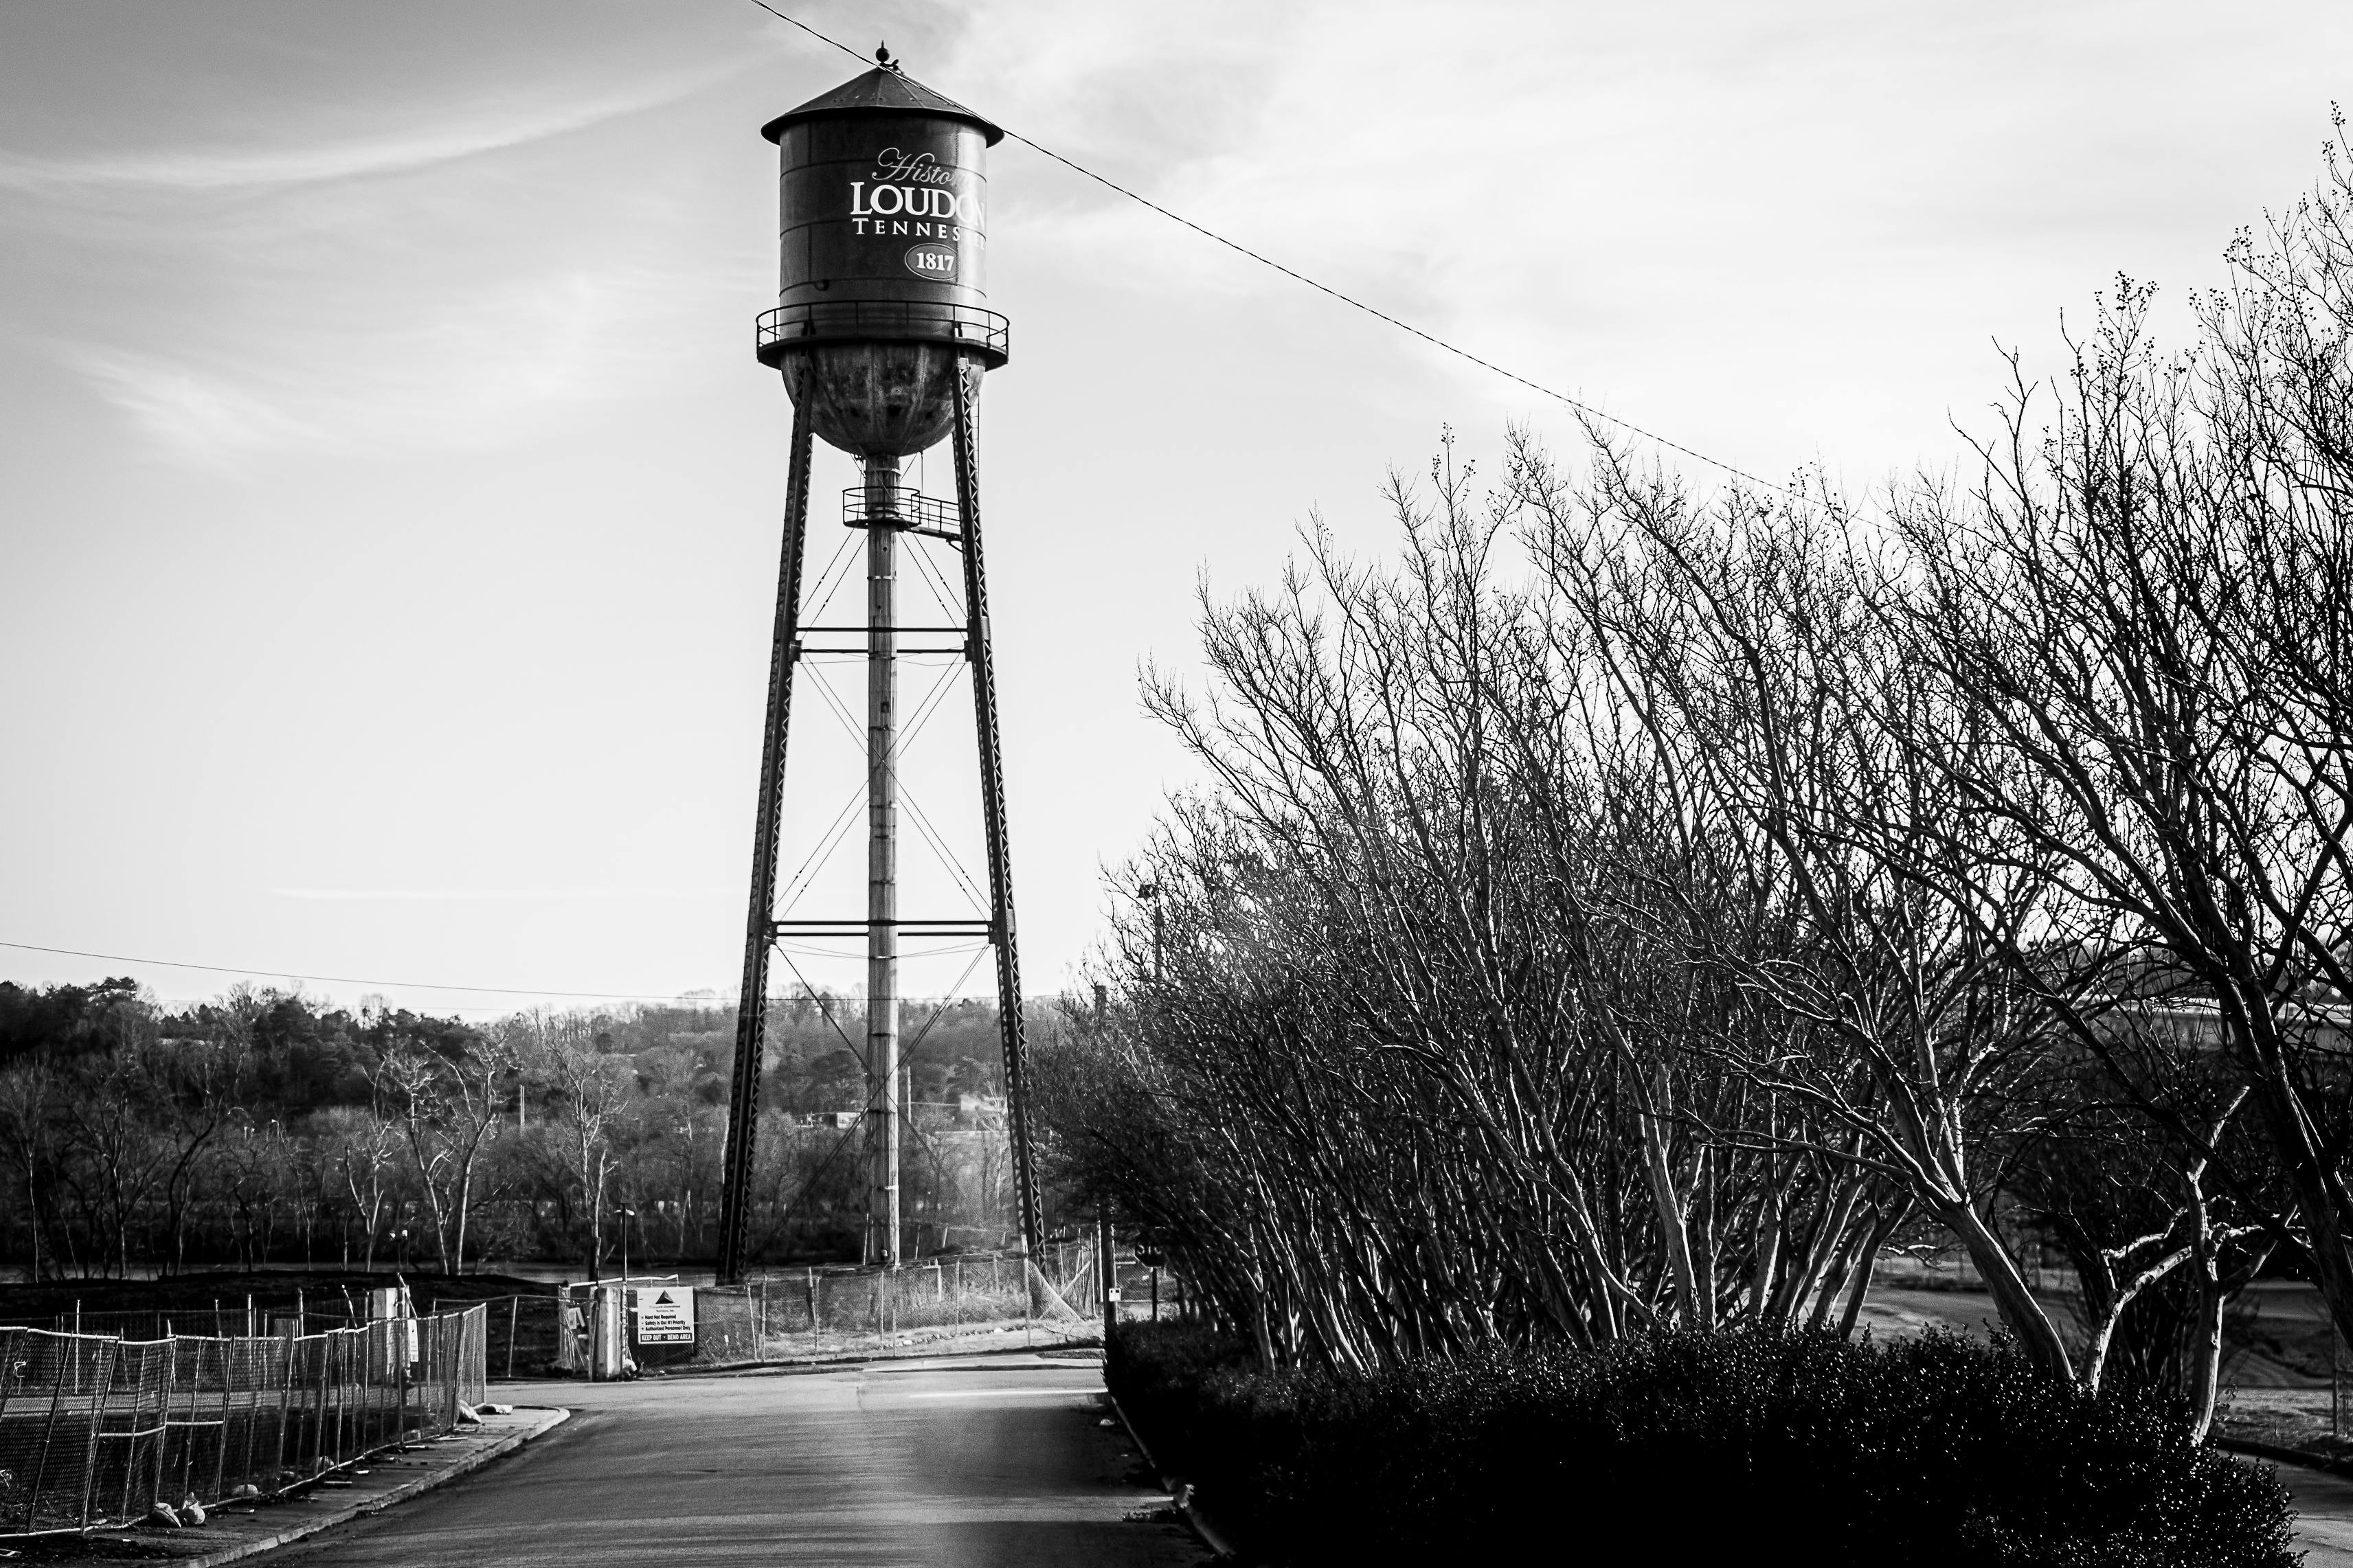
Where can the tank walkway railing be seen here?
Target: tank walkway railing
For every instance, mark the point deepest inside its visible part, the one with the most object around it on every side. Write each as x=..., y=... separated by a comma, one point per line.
x=96, y=1430
x=887, y=321
x=909, y=507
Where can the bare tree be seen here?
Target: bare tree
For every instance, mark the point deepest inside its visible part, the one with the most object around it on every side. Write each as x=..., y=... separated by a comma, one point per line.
x=362, y=1145
x=1743, y=641
x=449, y=1103
x=1408, y=1058
x=29, y=1108
x=590, y=1090
x=2147, y=608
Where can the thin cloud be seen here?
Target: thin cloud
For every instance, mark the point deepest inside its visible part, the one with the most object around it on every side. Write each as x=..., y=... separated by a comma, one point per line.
x=446, y=374
x=198, y=415
x=410, y=148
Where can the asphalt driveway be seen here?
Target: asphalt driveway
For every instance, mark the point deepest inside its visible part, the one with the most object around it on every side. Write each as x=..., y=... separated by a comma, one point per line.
x=988, y=1460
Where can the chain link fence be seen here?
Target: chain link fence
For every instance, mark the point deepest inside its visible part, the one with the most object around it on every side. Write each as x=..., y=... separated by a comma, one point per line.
x=97, y=1430
x=525, y=1335
x=819, y=1311
x=967, y=1300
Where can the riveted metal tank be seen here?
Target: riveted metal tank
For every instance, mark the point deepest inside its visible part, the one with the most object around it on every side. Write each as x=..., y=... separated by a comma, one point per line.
x=884, y=247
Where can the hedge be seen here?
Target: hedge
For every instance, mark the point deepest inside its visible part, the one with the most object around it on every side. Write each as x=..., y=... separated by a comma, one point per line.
x=1685, y=1446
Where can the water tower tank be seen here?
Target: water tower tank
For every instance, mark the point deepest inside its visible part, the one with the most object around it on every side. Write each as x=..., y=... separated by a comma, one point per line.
x=884, y=242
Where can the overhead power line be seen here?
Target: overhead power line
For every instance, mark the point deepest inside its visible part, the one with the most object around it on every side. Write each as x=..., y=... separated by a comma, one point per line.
x=1374, y=312
x=336, y=979
x=1582, y=408
x=413, y=984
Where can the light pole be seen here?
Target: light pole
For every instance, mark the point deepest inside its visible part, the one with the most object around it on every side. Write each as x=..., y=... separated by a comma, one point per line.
x=1151, y=1257
x=628, y=1339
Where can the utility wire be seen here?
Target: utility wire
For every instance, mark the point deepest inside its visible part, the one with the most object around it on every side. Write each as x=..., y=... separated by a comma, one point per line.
x=341, y=979
x=672, y=998
x=1583, y=408
x=1586, y=409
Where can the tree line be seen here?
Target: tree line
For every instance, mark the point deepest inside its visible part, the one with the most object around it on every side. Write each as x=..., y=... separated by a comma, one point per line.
x=1636, y=906
x=268, y=1127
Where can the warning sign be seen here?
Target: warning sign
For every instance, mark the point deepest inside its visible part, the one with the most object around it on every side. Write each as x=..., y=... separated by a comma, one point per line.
x=665, y=1314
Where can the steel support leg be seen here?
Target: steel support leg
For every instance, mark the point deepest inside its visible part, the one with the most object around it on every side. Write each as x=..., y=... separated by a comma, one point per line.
x=992, y=808
x=752, y=1009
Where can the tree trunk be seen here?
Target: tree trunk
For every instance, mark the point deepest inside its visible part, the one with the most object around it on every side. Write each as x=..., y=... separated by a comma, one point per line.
x=2022, y=1315
x=1897, y=1207
x=465, y=1206
x=2319, y=1195
x=2204, y=1372
x=1668, y=1204
x=1834, y=1279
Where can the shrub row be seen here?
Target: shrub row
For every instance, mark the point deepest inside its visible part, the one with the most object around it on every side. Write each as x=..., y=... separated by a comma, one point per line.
x=1683, y=1445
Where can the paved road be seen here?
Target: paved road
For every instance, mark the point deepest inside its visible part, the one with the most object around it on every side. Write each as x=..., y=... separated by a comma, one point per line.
x=989, y=1460
x=2324, y=1526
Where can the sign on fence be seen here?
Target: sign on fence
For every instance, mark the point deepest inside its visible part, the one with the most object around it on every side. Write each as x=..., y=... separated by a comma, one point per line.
x=665, y=1314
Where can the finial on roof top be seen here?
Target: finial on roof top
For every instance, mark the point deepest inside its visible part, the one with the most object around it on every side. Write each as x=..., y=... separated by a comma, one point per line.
x=882, y=57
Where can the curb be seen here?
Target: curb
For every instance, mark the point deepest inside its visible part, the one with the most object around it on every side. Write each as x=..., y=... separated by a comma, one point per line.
x=2278, y=1455
x=1180, y=1496
x=556, y=1417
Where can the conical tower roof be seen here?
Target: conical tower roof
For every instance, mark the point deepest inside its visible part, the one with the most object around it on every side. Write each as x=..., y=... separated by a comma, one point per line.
x=881, y=91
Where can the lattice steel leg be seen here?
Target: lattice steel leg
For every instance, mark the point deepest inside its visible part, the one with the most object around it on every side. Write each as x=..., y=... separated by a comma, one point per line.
x=751, y=1008
x=991, y=804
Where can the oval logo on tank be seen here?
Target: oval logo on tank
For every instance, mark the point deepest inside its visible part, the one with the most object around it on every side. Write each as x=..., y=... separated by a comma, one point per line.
x=937, y=262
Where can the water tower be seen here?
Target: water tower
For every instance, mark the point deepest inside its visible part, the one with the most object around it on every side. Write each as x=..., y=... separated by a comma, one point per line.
x=881, y=333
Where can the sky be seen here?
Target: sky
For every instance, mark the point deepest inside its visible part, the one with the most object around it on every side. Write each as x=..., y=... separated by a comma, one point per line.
x=389, y=497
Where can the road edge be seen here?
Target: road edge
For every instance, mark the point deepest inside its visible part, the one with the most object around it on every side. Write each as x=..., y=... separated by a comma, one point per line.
x=557, y=1416
x=1180, y=1496
x=2247, y=1448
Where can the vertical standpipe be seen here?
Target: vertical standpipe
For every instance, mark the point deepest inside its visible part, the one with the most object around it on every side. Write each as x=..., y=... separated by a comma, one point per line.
x=881, y=861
